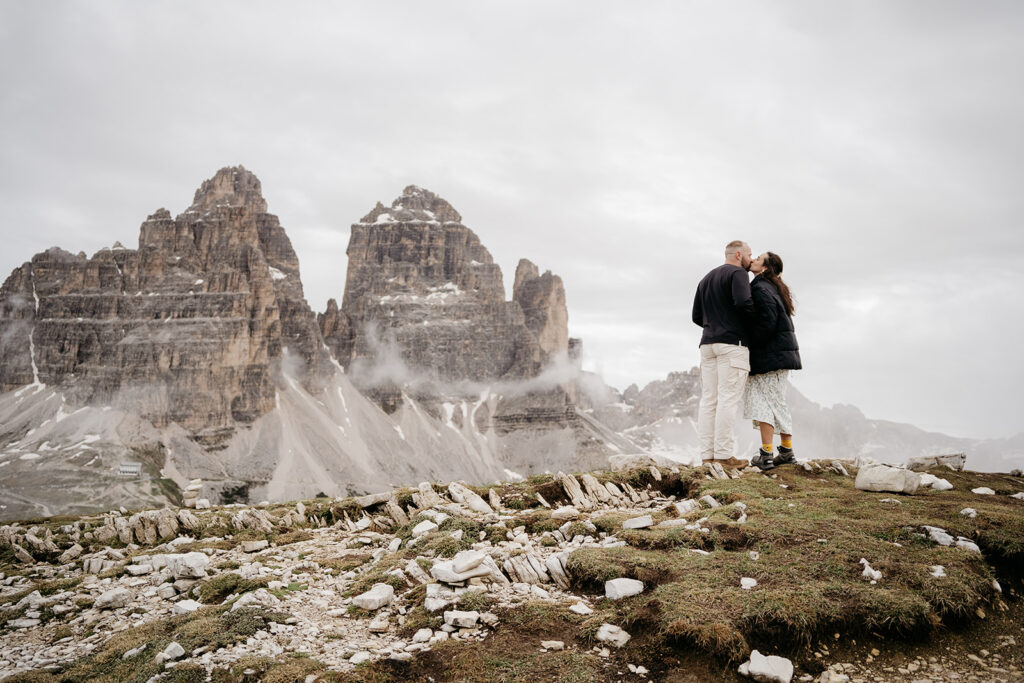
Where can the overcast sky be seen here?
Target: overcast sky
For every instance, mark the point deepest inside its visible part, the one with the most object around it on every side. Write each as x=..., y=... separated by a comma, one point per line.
x=876, y=146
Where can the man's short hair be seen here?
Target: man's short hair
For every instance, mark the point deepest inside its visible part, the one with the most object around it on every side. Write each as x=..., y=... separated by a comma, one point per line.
x=733, y=247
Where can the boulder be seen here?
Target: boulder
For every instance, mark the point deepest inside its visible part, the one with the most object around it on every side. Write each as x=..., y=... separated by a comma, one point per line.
x=260, y=596
x=115, y=598
x=170, y=653
x=466, y=560
x=423, y=528
x=770, y=669
x=185, y=607
x=954, y=461
x=887, y=478
x=70, y=554
x=380, y=595
x=567, y=512
x=574, y=492
x=616, y=589
x=427, y=496
x=187, y=565
x=438, y=597
x=461, y=619
x=461, y=494
x=983, y=491
x=638, y=522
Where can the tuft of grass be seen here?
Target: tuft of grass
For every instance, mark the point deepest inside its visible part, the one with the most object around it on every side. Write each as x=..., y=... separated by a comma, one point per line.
x=214, y=590
x=214, y=626
x=293, y=536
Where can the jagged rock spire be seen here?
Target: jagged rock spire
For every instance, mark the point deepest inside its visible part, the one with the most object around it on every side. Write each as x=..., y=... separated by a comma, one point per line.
x=231, y=186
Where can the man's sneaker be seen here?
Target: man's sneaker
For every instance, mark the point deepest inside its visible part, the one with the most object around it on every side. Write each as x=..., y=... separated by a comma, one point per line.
x=785, y=456
x=763, y=461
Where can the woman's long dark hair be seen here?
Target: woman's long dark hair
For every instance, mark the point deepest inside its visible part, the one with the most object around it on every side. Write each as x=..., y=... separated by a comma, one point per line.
x=773, y=273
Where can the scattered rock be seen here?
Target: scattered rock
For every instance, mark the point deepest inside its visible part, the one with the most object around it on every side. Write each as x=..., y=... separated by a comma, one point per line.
x=983, y=491
x=554, y=645
x=380, y=595
x=581, y=609
x=770, y=669
x=638, y=522
x=747, y=583
x=616, y=589
x=887, y=478
x=969, y=512
x=172, y=652
x=423, y=528
x=185, y=607
x=872, y=575
x=609, y=633
x=565, y=512
x=954, y=461
x=461, y=619
x=115, y=598
x=254, y=546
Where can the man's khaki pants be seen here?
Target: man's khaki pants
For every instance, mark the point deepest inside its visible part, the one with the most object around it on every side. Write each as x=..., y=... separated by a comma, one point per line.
x=723, y=374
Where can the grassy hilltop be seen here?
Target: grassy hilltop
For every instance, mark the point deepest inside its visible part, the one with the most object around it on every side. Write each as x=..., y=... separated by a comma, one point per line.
x=799, y=533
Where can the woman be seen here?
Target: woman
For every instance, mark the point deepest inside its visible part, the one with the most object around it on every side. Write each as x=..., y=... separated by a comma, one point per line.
x=773, y=353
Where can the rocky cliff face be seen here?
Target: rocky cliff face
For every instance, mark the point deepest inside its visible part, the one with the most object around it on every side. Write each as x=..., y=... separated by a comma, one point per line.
x=196, y=355
x=187, y=329
x=422, y=292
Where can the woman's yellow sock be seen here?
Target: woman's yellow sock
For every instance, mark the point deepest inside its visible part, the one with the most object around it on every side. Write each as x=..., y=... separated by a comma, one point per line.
x=787, y=443
x=766, y=447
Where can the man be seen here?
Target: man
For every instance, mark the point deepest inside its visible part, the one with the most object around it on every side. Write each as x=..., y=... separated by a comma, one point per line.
x=722, y=306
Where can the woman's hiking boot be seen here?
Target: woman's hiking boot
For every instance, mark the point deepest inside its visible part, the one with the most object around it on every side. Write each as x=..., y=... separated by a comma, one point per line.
x=785, y=456
x=762, y=461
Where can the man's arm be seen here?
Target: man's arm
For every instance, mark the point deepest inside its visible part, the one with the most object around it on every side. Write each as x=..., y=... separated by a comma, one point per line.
x=741, y=296
x=698, y=309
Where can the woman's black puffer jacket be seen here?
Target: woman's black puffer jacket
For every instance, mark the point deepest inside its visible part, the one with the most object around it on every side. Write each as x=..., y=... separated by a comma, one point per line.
x=773, y=339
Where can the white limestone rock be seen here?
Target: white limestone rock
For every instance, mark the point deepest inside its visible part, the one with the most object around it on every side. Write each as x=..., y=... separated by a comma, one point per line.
x=983, y=491
x=260, y=596
x=423, y=528
x=581, y=609
x=466, y=560
x=939, y=535
x=641, y=522
x=115, y=598
x=566, y=512
x=770, y=669
x=616, y=589
x=185, y=607
x=869, y=573
x=187, y=565
x=380, y=595
x=609, y=633
x=461, y=619
x=172, y=652
x=462, y=494
x=887, y=478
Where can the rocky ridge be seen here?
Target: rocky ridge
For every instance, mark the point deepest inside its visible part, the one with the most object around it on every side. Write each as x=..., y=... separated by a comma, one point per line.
x=661, y=419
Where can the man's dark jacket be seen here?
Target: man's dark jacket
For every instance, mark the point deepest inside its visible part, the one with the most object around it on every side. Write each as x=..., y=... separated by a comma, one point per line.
x=722, y=306
x=773, y=339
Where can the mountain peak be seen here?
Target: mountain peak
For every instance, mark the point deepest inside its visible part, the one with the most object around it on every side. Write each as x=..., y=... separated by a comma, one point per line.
x=414, y=204
x=230, y=186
